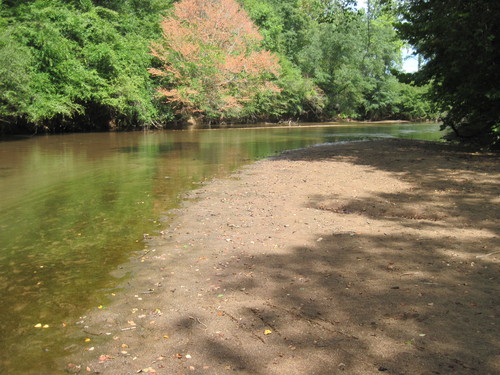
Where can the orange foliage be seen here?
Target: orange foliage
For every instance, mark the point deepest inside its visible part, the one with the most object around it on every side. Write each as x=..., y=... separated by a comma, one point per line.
x=210, y=57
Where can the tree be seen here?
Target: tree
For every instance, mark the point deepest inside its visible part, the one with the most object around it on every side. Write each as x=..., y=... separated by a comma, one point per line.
x=211, y=63
x=460, y=42
x=15, y=73
x=349, y=54
x=71, y=65
x=287, y=26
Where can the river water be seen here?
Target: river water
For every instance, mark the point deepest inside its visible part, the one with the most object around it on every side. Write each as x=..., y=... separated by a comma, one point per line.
x=74, y=207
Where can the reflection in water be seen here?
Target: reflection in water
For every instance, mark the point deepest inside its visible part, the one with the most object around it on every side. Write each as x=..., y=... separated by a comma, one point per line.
x=74, y=207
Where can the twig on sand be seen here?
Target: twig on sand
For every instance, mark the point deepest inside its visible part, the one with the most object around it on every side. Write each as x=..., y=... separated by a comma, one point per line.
x=487, y=255
x=199, y=321
x=239, y=325
x=128, y=328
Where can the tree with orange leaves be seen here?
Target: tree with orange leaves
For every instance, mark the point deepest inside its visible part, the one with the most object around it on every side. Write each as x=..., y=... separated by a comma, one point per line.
x=211, y=64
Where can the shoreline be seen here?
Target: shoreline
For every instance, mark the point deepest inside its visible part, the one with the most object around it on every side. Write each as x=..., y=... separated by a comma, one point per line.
x=6, y=137
x=321, y=124
x=353, y=257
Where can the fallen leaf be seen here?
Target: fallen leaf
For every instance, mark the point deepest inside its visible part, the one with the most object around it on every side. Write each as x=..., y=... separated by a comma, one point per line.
x=148, y=370
x=105, y=357
x=267, y=332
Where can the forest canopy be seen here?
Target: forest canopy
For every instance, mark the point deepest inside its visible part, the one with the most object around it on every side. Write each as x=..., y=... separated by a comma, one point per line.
x=68, y=65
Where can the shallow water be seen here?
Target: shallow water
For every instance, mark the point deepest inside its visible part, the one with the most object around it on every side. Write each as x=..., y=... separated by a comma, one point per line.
x=74, y=207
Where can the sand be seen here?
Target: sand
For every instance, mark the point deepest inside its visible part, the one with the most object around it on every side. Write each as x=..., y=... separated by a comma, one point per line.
x=358, y=258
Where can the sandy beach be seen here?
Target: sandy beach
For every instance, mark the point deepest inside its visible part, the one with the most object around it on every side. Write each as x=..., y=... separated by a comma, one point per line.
x=357, y=258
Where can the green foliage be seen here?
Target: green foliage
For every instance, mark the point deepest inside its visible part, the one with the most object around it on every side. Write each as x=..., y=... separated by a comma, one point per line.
x=83, y=64
x=80, y=65
x=287, y=28
x=459, y=41
x=414, y=104
x=349, y=55
x=15, y=91
x=299, y=98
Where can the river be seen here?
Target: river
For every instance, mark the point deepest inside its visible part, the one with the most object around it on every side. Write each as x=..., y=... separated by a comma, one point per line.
x=74, y=207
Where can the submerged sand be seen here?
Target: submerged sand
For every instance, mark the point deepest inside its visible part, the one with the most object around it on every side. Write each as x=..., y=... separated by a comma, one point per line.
x=358, y=258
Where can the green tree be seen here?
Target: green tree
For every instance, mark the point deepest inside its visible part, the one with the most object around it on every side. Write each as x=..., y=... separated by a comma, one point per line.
x=15, y=73
x=287, y=28
x=348, y=54
x=78, y=65
x=460, y=42
x=382, y=55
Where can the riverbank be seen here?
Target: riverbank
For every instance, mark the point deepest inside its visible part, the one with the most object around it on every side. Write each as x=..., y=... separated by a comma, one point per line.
x=29, y=133
x=353, y=258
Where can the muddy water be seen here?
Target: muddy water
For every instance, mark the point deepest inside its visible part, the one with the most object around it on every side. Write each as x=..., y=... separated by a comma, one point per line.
x=74, y=207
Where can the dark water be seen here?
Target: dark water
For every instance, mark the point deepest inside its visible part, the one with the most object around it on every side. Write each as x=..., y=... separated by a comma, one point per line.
x=74, y=207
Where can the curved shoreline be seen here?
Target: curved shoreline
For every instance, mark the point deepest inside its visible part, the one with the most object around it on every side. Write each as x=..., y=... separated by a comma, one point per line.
x=356, y=257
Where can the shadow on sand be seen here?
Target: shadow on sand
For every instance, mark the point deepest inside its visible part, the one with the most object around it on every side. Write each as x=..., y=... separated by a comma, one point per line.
x=420, y=299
